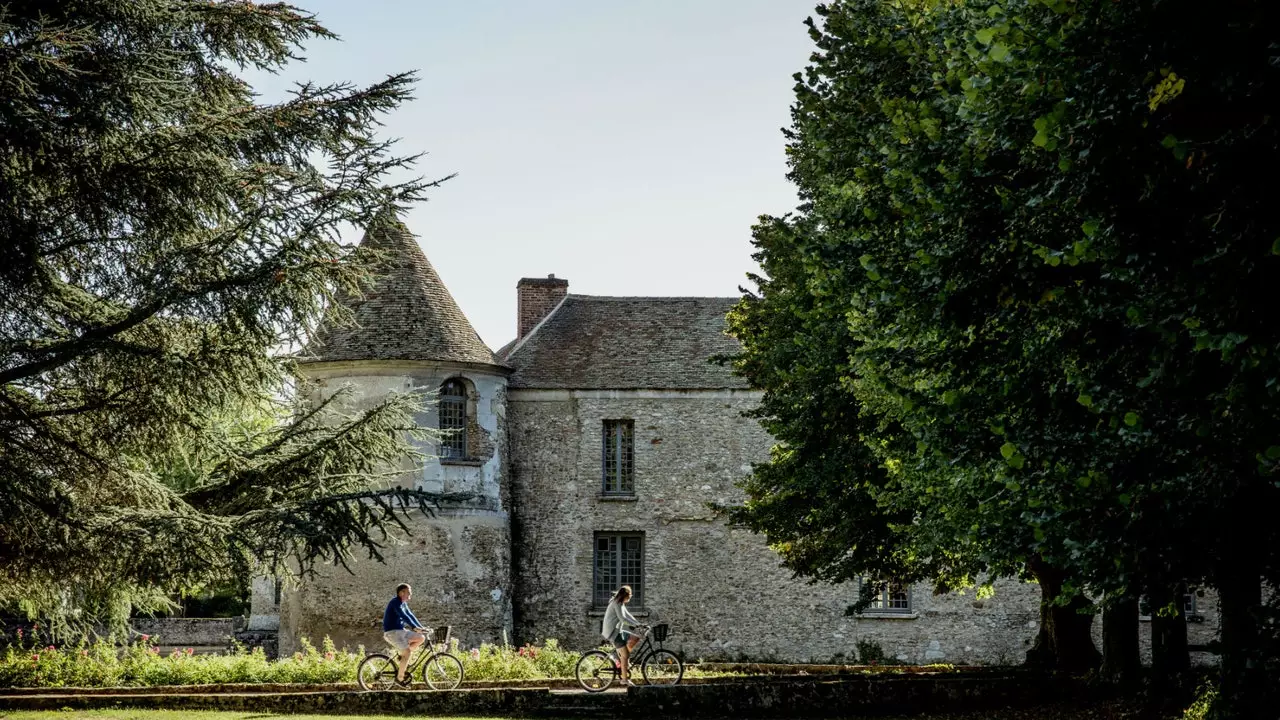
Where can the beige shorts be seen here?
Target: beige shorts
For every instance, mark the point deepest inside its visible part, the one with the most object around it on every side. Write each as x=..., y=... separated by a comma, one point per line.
x=399, y=639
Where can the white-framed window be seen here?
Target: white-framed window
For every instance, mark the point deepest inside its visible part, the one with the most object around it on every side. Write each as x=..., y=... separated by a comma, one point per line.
x=1189, y=608
x=889, y=597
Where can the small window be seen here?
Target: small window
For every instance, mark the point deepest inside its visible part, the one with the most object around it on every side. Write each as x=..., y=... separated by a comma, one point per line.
x=890, y=597
x=1188, y=607
x=619, y=560
x=619, y=458
x=453, y=420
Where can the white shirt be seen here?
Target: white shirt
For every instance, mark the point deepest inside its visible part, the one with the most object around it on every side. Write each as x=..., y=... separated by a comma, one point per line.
x=616, y=618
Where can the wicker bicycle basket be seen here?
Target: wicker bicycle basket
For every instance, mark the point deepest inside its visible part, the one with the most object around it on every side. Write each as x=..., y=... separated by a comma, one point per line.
x=660, y=632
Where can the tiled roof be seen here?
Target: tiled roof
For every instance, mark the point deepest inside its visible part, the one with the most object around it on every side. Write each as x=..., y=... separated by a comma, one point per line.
x=407, y=315
x=624, y=343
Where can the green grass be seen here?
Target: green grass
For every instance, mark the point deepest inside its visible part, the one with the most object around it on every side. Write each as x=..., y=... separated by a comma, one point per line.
x=178, y=715
x=1112, y=711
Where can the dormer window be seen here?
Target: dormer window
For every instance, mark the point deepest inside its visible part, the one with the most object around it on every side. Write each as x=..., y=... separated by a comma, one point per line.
x=453, y=420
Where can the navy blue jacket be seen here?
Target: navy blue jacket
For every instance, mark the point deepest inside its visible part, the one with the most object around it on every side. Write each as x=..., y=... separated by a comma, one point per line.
x=398, y=616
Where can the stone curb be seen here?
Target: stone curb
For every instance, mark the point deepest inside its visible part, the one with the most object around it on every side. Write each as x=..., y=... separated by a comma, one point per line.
x=788, y=697
x=750, y=672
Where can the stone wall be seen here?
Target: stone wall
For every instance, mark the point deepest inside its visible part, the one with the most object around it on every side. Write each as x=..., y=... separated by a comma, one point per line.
x=1202, y=629
x=459, y=561
x=188, y=631
x=720, y=588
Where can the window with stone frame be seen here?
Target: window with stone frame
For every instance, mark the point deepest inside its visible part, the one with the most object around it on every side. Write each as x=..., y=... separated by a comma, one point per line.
x=618, y=561
x=618, y=463
x=1189, y=608
x=453, y=420
x=890, y=597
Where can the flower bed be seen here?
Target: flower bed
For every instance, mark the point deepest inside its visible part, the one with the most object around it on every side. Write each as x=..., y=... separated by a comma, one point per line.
x=102, y=664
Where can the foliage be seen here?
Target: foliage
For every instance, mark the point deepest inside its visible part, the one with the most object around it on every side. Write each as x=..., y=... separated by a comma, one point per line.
x=1203, y=706
x=496, y=662
x=168, y=237
x=102, y=664
x=1024, y=298
x=870, y=653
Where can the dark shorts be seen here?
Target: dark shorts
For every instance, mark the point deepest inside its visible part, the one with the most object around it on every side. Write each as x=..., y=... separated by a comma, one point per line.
x=620, y=640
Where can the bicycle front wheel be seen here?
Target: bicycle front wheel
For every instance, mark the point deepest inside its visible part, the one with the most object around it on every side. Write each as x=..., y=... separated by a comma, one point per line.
x=595, y=671
x=376, y=672
x=662, y=667
x=442, y=671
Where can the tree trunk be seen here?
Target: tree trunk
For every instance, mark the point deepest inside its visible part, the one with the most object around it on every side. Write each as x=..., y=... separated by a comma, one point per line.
x=1121, y=658
x=1169, y=654
x=1065, y=641
x=1243, y=688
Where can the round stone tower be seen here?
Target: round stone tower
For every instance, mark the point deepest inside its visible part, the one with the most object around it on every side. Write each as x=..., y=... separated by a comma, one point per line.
x=410, y=335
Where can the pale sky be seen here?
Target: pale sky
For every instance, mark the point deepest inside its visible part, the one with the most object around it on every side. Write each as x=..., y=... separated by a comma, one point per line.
x=625, y=146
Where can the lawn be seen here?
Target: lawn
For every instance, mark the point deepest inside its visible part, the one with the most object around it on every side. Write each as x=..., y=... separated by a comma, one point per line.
x=176, y=715
x=1108, y=712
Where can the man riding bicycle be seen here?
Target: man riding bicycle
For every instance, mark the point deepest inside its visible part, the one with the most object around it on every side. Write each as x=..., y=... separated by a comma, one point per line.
x=401, y=629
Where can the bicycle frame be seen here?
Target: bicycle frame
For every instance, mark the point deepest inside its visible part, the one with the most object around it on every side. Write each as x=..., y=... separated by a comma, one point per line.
x=426, y=650
x=642, y=650
x=597, y=669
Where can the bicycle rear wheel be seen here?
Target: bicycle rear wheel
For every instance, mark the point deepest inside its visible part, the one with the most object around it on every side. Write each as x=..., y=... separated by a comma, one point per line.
x=595, y=671
x=376, y=672
x=442, y=671
x=662, y=667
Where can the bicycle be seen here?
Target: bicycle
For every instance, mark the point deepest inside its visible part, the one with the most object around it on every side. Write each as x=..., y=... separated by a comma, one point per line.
x=596, y=670
x=441, y=670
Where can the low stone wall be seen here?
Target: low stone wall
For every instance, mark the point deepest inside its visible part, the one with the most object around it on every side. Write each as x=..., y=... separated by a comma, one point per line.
x=759, y=697
x=800, y=669
x=204, y=635
x=189, y=632
x=544, y=683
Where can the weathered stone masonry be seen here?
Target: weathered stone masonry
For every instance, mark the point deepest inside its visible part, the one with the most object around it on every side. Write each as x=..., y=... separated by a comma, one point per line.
x=515, y=561
x=719, y=587
x=410, y=336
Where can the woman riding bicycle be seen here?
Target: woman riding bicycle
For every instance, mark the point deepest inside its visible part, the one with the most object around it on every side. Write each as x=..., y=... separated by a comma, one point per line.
x=616, y=628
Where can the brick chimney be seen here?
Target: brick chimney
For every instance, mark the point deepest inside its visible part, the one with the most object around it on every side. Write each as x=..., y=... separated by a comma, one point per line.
x=535, y=298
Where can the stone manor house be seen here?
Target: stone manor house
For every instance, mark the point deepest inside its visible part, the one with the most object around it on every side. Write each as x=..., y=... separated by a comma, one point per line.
x=588, y=449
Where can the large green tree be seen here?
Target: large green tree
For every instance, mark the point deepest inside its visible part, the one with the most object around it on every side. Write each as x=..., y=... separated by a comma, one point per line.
x=166, y=238
x=1034, y=243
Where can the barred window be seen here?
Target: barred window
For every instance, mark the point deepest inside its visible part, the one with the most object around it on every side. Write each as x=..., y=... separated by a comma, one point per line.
x=453, y=420
x=891, y=597
x=619, y=560
x=619, y=457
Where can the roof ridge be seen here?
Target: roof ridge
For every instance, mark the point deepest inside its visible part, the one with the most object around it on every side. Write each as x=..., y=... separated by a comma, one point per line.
x=652, y=297
x=603, y=342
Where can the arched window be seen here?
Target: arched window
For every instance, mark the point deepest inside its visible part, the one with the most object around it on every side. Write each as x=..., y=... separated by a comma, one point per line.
x=453, y=420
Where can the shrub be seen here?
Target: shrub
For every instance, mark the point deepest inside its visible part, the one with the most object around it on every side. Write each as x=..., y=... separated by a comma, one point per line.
x=495, y=662
x=1202, y=708
x=870, y=653
x=102, y=664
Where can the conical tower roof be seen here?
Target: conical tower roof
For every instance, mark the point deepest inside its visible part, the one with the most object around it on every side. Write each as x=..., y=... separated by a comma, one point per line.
x=407, y=315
